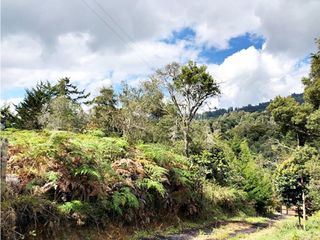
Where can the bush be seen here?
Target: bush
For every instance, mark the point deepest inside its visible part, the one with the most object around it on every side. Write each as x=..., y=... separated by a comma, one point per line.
x=89, y=179
x=226, y=199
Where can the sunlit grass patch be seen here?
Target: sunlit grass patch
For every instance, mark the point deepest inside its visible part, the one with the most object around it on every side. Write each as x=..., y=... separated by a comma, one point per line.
x=287, y=230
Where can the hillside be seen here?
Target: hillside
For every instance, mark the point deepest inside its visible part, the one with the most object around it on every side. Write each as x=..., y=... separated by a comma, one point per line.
x=140, y=165
x=249, y=108
x=90, y=180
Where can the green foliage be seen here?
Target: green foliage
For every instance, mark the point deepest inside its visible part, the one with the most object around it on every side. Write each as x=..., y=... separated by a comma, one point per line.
x=161, y=154
x=30, y=108
x=104, y=114
x=87, y=170
x=152, y=184
x=195, y=81
x=124, y=199
x=156, y=172
x=302, y=119
x=293, y=175
x=8, y=119
x=289, y=229
x=255, y=181
x=62, y=114
x=189, y=86
x=226, y=198
x=214, y=163
x=313, y=168
x=312, y=84
x=71, y=207
x=66, y=89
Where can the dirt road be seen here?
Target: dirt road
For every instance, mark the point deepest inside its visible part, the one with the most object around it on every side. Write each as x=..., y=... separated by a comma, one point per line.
x=239, y=227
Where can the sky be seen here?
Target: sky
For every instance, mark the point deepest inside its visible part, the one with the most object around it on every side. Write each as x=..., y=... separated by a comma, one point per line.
x=255, y=49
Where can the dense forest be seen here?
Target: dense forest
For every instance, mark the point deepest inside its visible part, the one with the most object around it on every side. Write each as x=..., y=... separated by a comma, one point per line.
x=249, y=108
x=141, y=157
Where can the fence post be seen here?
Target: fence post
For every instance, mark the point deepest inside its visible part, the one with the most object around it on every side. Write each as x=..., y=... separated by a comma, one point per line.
x=4, y=158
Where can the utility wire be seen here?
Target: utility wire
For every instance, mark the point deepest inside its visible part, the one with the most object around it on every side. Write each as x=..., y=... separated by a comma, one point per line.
x=115, y=22
x=111, y=28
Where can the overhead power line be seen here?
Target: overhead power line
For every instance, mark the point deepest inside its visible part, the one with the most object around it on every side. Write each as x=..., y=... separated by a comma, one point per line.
x=131, y=43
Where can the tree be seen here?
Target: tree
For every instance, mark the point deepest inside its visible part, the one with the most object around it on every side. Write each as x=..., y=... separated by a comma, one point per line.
x=62, y=114
x=142, y=107
x=104, y=113
x=189, y=87
x=70, y=91
x=215, y=163
x=293, y=176
x=30, y=108
x=256, y=181
x=312, y=84
x=8, y=119
x=301, y=119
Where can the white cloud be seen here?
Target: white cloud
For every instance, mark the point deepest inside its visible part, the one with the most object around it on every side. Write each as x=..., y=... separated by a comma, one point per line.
x=290, y=27
x=74, y=58
x=48, y=41
x=251, y=76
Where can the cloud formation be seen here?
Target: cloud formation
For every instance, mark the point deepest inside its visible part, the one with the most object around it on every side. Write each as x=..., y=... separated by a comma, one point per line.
x=105, y=42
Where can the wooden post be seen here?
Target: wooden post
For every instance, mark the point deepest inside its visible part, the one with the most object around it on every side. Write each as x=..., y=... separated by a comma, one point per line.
x=299, y=216
x=303, y=205
x=4, y=158
x=304, y=210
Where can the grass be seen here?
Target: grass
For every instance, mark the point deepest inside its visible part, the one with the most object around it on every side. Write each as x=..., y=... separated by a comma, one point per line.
x=287, y=230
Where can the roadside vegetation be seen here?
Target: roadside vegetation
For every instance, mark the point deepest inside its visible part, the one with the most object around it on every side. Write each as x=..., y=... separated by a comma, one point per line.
x=287, y=230
x=142, y=159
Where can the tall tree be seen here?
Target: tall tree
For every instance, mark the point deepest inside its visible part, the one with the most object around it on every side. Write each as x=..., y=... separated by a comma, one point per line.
x=256, y=181
x=142, y=108
x=293, y=176
x=62, y=113
x=189, y=87
x=304, y=121
x=301, y=119
x=30, y=108
x=312, y=83
x=70, y=91
x=104, y=113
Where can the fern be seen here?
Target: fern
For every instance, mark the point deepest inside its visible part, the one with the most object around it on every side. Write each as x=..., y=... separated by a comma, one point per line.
x=52, y=176
x=155, y=172
x=124, y=198
x=182, y=176
x=88, y=171
x=161, y=154
x=152, y=184
x=73, y=206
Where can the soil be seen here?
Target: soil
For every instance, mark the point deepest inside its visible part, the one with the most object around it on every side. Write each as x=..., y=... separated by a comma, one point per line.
x=189, y=234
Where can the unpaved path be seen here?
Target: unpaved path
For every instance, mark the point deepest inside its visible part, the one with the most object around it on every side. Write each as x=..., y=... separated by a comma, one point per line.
x=244, y=228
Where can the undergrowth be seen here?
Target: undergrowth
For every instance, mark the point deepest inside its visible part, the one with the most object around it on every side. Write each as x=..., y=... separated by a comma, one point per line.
x=69, y=179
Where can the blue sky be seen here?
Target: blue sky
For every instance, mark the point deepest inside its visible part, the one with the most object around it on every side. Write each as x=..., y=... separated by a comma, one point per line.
x=210, y=54
x=257, y=49
x=216, y=55
x=236, y=44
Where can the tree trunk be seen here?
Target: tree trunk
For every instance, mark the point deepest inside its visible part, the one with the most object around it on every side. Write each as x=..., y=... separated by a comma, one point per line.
x=186, y=142
x=304, y=210
x=303, y=205
x=299, y=217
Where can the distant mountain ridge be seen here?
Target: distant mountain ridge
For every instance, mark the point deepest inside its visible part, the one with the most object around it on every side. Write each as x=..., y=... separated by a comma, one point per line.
x=249, y=108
